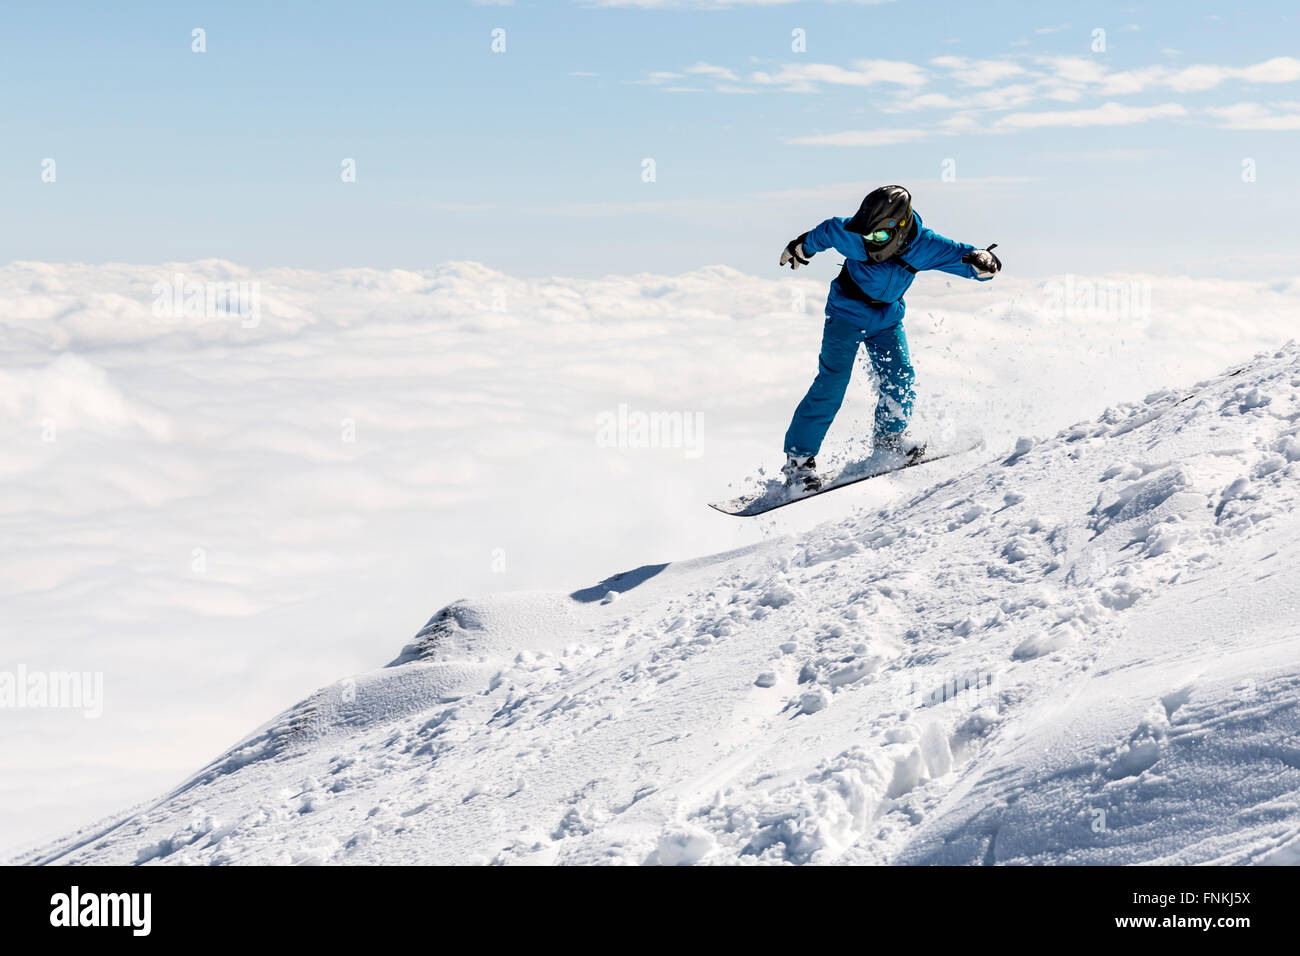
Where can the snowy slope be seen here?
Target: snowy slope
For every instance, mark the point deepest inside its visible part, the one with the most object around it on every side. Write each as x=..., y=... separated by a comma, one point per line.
x=1085, y=651
x=219, y=515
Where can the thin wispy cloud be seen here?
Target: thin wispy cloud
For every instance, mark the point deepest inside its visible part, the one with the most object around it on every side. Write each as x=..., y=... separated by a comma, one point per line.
x=1256, y=116
x=1088, y=73
x=1110, y=114
x=808, y=77
x=996, y=94
x=660, y=76
x=958, y=82
x=969, y=72
x=1006, y=97
x=866, y=137
x=709, y=69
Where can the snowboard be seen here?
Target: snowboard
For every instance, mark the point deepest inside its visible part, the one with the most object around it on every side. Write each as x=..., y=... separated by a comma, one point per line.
x=761, y=502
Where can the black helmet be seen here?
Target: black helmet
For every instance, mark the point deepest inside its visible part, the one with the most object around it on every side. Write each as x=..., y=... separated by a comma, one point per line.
x=885, y=221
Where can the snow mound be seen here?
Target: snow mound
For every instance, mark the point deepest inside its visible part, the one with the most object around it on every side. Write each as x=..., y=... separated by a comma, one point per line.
x=1083, y=652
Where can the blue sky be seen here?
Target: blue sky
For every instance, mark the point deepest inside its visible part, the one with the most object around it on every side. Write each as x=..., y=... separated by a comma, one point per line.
x=531, y=160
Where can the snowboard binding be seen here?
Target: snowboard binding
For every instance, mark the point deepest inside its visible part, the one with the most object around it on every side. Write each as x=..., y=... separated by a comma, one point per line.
x=801, y=476
x=901, y=446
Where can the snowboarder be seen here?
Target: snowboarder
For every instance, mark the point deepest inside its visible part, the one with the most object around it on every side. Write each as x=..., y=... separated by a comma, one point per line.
x=886, y=245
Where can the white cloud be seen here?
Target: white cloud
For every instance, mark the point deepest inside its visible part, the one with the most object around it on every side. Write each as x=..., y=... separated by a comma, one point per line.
x=1280, y=69
x=1111, y=114
x=974, y=83
x=661, y=76
x=708, y=69
x=1063, y=94
x=863, y=137
x=799, y=77
x=960, y=123
x=970, y=72
x=1126, y=82
x=806, y=77
x=977, y=86
x=929, y=101
x=1080, y=71
x=1002, y=98
x=1258, y=117
x=1076, y=69
x=1192, y=79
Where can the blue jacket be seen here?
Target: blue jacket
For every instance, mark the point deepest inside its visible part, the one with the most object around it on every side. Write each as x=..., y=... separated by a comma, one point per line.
x=886, y=281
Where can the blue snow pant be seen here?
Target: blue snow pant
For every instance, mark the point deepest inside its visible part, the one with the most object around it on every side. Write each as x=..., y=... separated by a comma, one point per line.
x=887, y=350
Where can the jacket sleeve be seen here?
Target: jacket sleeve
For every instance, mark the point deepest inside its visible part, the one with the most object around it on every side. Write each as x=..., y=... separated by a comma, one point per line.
x=944, y=255
x=831, y=234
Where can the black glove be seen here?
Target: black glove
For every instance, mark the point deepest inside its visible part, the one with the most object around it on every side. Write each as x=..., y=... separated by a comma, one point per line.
x=984, y=261
x=794, y=254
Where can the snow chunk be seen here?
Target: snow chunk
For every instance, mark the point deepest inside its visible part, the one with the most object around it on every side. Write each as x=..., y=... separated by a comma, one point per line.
x=814, y=700
x=778, y=595
x=684, y=845
x=1037, y=645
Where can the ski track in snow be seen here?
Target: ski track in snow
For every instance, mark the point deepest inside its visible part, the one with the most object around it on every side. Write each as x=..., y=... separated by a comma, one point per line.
x=1083, y=652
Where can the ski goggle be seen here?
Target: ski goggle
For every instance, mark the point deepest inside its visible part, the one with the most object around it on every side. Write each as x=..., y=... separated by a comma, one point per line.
x=884, y=234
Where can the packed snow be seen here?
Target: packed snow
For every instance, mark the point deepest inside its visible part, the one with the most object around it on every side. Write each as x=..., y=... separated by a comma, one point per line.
x=1077, y=645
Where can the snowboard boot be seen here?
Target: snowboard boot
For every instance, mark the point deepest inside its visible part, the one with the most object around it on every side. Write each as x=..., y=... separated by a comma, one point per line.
x=899, y=444
x=801, y=475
